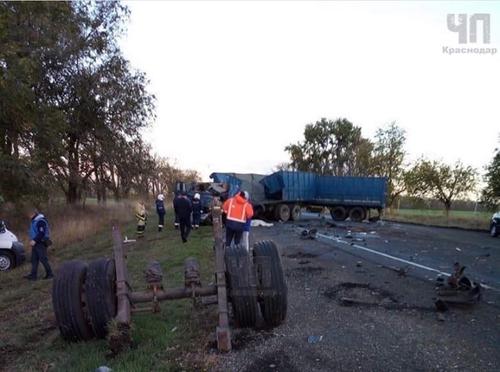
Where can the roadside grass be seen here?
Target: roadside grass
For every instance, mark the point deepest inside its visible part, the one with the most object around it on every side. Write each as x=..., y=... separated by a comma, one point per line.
x=463, y=219
x=30, y=340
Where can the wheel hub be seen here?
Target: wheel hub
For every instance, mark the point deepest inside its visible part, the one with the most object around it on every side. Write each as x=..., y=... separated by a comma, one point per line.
x=4, y=263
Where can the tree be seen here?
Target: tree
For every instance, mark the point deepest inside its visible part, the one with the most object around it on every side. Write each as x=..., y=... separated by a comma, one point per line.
x=332, y=147
x=491, y=193
x=388, y=159
x=440, y=181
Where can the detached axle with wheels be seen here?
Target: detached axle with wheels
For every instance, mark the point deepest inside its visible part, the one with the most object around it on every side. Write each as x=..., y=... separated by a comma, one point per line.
x=90, y=298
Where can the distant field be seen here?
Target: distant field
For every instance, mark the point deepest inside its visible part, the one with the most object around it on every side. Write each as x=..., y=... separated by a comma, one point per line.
x=464, y=219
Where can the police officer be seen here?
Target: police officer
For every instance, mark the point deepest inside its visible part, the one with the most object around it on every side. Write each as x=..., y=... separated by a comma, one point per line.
x=39, y=241
x=183, y=209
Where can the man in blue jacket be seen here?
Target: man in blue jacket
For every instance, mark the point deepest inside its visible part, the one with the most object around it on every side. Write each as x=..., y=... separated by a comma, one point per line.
x=39, y=241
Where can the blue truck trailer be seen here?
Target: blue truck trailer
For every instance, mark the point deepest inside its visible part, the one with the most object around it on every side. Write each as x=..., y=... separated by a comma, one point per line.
x=282, y=195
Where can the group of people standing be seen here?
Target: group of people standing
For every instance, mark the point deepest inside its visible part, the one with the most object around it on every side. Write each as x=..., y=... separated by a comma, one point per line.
x=238, y=213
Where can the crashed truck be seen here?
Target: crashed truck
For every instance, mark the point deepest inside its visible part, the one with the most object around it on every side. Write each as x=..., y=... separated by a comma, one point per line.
x=282, y=195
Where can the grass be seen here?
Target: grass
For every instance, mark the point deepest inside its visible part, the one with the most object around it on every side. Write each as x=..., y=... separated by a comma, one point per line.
x=463, y=219
x=170, y=340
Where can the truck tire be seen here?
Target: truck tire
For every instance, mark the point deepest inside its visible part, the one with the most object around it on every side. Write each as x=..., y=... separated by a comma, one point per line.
x=7, y=260
x=338, y=213
x=100, y=288
x=357, y=214
x=271, y=286
x=295, y=212
x=69, y=301
x=241, y=282
x=282, y=212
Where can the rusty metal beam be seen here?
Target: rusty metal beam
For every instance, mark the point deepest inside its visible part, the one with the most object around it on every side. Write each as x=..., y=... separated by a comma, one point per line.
x=172, y=294
x=223, y=332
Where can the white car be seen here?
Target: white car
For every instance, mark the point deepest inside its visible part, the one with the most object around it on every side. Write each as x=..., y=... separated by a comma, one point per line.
x=11, y=249
x=495, y=225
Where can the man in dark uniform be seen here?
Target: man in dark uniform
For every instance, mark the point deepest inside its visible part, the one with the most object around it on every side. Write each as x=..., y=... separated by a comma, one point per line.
x=40, y=239
x=183, y=209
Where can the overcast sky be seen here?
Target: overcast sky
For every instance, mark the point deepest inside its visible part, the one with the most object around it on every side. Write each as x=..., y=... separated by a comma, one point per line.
x=237, y=81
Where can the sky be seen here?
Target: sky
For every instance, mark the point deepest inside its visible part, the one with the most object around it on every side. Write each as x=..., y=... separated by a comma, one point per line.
x=237, y=81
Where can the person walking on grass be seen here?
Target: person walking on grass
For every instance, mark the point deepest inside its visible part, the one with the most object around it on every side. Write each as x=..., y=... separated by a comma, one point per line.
x=183, y=209
x=39, y=234
x=160, y=210
x=141, y=216
x=196, y=211
x=238, y=211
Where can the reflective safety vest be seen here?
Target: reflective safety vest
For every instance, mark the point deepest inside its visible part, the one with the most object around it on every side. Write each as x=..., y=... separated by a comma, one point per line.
x=237, y=211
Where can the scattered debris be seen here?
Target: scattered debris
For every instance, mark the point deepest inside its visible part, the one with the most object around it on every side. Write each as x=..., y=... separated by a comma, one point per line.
x=459, y=290
x=308, y=234
x=441, y=317
x=103, y=369
x=331, y=224
x=458, y=249
x=348, y=235
x=127, y=240
x=314, y=339
x=173, y=329
x=358, y=264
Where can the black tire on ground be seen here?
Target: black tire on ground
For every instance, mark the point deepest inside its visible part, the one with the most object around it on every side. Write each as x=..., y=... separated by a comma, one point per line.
x=69, y=301
x=271, y=284
x=338, y=213
x=7, y=260
x=241, y=282
x=100, y=288
x=282, y=212
x=294, y=212
x=494, y=230
x=357, y=214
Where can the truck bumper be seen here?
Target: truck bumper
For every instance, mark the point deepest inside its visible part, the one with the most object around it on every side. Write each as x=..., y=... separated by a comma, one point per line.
x=18, y=250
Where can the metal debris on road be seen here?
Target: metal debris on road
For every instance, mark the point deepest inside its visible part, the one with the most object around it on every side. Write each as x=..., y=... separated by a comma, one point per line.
x=308, y=234
x=314, y=339
x=459, y=290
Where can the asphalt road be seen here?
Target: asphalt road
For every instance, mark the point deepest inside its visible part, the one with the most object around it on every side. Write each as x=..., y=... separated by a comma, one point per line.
x=397, y=328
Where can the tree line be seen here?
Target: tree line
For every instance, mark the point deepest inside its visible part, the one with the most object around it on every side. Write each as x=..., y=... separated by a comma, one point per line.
x=71, y=106
x=337, y=147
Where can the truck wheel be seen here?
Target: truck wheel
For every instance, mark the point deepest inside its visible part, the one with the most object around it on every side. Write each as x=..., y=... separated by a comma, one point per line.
x=69, y=301
x=494, y=230
x=7, y=260
x=271, y=285
x=295, y=212
x=100, y=288
x=282, y=212
x=241, y=282
x=357, y=214
x=338, y=213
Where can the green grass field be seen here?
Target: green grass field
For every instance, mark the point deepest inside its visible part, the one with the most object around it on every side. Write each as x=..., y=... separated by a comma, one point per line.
x=464, y=219
x=29, y=340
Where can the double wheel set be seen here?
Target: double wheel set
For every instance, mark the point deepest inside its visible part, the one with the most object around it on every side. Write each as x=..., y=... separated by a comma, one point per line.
x=88, y=298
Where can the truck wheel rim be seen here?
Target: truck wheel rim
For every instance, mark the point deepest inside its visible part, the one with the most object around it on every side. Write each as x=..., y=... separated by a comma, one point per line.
x=4, y=263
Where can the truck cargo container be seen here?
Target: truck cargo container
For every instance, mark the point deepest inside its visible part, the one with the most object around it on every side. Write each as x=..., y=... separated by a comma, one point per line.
x=283, y=194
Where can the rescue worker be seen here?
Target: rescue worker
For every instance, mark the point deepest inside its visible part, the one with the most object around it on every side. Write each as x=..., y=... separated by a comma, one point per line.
x=196, y=210
x=238, y=210
x=183, y=209
x=246, y=228
x=141, y=216
x=160, y=210
x=176, y=221
x=39, y=234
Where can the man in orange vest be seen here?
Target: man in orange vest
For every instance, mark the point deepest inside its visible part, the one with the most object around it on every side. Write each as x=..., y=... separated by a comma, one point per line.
x=238, y=210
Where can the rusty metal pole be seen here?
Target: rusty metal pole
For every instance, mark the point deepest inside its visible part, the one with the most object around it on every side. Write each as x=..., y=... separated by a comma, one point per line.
x=122, y=291
x=223, y=332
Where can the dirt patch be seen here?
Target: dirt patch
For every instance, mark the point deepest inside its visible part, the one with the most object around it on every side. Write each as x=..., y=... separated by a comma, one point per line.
x=360, y=294
x=242, y=337
x=308, y=269
x=301, y=255
x=272, y=362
